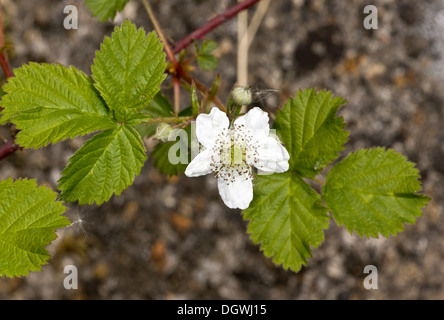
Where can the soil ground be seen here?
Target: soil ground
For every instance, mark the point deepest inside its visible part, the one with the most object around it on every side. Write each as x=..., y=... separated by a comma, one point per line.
x=173, y=238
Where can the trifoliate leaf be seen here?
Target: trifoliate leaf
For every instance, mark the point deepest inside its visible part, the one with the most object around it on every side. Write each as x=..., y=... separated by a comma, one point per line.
x=105, y=164
x=205, y=59
x=105, y=9
x=50, y=103
x=287, y=217
x=310, y=130
x=129, y=69
x=374, y=191
x=29, y=216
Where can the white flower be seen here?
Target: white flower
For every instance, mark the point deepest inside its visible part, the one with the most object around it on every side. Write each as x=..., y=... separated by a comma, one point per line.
x=231, y=152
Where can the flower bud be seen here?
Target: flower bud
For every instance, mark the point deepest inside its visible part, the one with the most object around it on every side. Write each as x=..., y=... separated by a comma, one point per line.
x=163, y=131
x=241, y=96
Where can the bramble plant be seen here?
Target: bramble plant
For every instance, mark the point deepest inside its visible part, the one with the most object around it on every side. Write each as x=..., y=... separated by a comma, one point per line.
x=263, y=171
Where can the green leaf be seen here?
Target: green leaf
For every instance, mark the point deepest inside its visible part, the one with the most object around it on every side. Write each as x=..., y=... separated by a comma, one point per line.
x=129, y=69
x=310, y=130
x=161, y=161
x=105, y=164
x=105, y=9
x=187, y=112
x=180, y=150
x=29, y=216
x=50, y=103
x=205, y=59
x=159, y=107
x=207, y=47
x=287, y=217
x=207, y=62
x=136, y=119
x=374, y=191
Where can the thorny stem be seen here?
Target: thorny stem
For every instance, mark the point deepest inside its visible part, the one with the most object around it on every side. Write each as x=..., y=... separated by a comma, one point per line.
x=8, y=147
x=3, y=55
x=199, y=34
x=177, y=71
x=212, y=24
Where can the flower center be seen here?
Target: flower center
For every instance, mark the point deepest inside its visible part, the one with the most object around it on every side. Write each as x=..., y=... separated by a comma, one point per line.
x=233, y=154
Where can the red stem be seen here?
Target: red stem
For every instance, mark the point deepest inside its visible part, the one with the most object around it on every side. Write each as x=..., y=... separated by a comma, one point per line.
x=3, y=55
x=5, y=66
x=212, y=24
x=8, y=148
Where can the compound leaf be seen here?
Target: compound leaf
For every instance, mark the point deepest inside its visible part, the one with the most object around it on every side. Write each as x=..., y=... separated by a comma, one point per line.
x=205, y=59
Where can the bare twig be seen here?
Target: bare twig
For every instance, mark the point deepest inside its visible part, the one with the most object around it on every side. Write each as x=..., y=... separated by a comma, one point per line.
x=242, y=51
x=168, y=50
x=176, y=85
x=170, y=55
x=257, y=19
x=245, y=35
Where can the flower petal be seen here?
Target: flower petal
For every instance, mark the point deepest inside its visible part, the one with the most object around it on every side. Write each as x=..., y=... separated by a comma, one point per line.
x=272, y=156
x=237, y=194
x=209, y=126
x=200, y=165
x=256, y=121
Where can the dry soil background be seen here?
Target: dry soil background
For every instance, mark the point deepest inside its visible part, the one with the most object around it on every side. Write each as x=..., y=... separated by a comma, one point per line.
x=169, y=238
